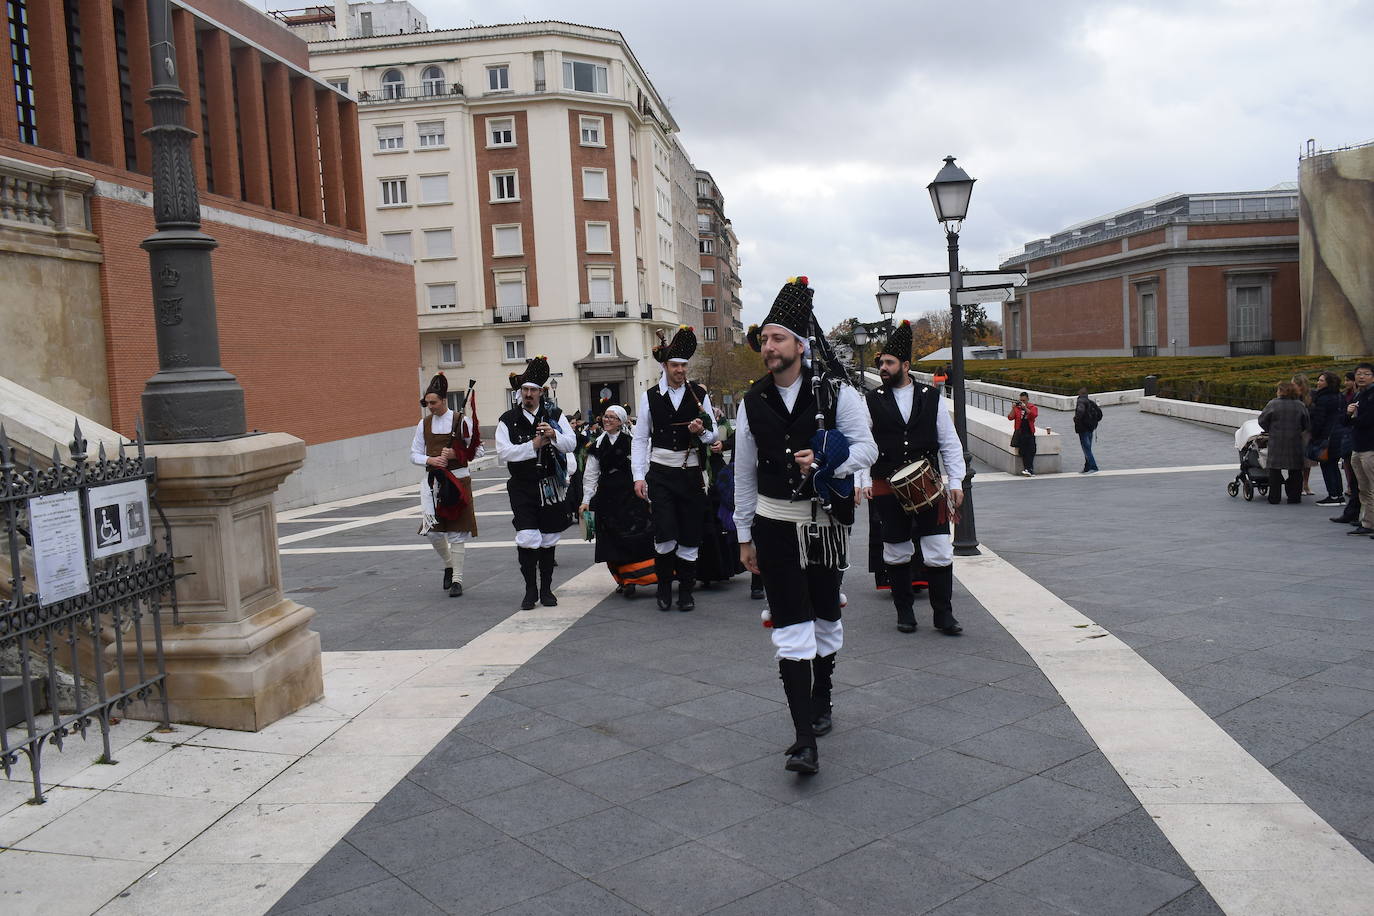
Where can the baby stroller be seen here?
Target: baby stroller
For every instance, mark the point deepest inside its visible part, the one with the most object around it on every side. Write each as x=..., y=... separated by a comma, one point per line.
x=1252, y=443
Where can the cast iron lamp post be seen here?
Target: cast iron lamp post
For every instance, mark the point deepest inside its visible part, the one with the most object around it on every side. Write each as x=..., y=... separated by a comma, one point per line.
x=950, y=193
x=191, y=397
x=861, y=341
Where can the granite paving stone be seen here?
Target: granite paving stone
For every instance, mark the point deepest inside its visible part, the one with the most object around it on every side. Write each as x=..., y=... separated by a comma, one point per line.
x=882, y=878
x=632, y=776
x=391, y=896
x=975, y=842
x=581, y=898
x=683, y=881
x=782, y=899
x=1051, y=806
x=716, y=749
x=601, y=841
x=474, y=777
x=535, y=805
x=956, y=778
x=992, y=900
x=1136, y=837
x=1091, y=771
x=489, y=878
x=342, y=869
x=1079, y=878
x=703, y=805
x=1021, y=748
x=874, y=806
x=570, y=750
x=786, y=841
x=408, y=844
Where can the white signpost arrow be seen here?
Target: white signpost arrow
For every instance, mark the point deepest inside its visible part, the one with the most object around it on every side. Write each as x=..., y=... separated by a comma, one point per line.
x=973, y=279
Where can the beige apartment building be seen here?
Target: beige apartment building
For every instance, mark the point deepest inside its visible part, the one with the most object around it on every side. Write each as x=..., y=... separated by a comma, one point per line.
x=718, y=253
x=528, y=169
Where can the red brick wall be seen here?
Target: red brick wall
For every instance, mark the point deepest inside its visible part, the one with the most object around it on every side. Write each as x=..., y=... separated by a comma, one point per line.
x=1242, y=230
x=605, y=211
x=522, y=211
x=1092, y=251
x=1145, y=239
x=1207, y=306
x=1080, y=317
x=253, y=25
x=1286, y=303
x=323, y=341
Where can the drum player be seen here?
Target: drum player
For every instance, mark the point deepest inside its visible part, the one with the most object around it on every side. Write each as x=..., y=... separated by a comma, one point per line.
x=911, y=426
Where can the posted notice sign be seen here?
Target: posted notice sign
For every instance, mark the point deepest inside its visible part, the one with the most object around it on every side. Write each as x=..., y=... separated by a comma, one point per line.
x=59, y=554
x=119, y=518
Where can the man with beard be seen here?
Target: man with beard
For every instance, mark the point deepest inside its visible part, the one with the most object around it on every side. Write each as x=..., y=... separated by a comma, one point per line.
x=910, y=424
x=673, y=416
x=446, y=510
x=534, y=440
x=797, y=543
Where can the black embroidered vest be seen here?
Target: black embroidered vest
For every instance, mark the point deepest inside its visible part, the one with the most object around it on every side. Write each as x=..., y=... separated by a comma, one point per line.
x=614, y=457
x=522, y=430
x=902, y=442
x=669, y=424
x=779, y=434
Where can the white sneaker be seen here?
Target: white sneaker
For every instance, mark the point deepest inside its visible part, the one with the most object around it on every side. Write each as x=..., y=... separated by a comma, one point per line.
x=1025, y=473
x=844, y=600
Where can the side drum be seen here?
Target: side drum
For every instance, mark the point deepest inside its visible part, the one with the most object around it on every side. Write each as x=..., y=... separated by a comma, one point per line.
x=917, y=486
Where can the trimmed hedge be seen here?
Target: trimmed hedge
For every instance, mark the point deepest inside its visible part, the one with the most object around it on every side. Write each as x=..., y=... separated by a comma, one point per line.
x=1234, y=381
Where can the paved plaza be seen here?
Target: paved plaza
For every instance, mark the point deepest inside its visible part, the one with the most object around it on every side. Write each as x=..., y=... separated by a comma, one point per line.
x=1161, y=703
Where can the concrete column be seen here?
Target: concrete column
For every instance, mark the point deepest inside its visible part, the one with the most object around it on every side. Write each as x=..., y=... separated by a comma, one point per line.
x=51, y=77
x=184, y=34
x=352, y=165
x=104, y=117
x=257, y=181
x=331, y=156
x=307, y=148
x=281, y=137
x=219, y=103
x=141, y=82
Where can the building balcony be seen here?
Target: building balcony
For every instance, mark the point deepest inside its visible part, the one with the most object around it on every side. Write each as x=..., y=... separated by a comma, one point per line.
x=397, y=93
x=1252, y=348
x=646, y=311
x=510, y=314
x=604, y=309
x=1145, y=350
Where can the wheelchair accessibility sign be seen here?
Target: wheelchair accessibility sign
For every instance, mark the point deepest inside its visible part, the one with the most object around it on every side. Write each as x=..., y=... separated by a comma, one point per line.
x=119, y=518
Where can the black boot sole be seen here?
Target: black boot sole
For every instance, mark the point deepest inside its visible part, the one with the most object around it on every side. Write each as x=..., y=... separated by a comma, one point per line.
x=803, y=763
x=823, y=726
x=529, y=602
x=455, y=590
x=548, y=600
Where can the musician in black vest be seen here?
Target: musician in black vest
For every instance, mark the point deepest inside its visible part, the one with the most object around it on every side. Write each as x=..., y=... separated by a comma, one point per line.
x=910, y=424
x=790, y=533
x=673, y=417
x=534, y=440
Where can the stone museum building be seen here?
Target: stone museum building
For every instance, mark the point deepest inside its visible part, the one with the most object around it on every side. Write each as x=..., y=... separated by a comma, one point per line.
x=1188, y=274
x=533, y=174
x=318, y=326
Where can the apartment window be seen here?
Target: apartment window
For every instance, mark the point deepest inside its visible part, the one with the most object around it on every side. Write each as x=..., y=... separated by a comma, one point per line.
x=601, y=284
x=432, y=134
x=711, y=333
x=703, y=222
x=703, y=188
x=393, y=192
x=515, y=349
x=434, y=189
x=584, y=76
x=706, y=246
x=594, y=185
x=340, y=83
x=591, y=131
x=498, y=78
x=1149, y=327
x=442, y=296
x=391, y=136
x=397, y=243
x=504, y=186
x=451, y=352
x=433, y=81
x=602, y=345
x=365, y=22
x=506, y=241
x=598, y=238
x=500, y=132
x=708, y=304
x=393, y=84
x=708, y=275
x=510, y=289
x=438, y=243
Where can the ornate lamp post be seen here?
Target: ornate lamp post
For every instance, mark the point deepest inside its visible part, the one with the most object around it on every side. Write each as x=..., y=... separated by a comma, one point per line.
x=861, y=341
x=950, y=193
x=191, y=397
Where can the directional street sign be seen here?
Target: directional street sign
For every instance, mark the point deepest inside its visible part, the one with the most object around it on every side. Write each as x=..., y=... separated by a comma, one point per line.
x=916, y=283
x=993, y=277
x=1001, y=292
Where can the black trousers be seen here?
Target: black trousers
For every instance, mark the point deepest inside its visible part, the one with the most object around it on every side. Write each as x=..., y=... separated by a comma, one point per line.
x=1292, y=486
x=678, y=503
x=795, y=595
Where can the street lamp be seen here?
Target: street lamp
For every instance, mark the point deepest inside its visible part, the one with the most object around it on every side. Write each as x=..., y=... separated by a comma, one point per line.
x=887, y=304
x=553, y=384
x=949, y=194
x=861, y=341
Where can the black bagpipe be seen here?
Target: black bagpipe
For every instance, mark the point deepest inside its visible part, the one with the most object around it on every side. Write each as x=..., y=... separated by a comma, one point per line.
x=828, y=377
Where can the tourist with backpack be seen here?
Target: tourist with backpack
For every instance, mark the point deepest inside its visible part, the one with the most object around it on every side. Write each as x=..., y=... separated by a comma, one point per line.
x=1086, y=415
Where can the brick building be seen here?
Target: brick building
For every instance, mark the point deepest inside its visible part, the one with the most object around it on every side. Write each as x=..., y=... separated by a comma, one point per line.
x=318, y=327
x=722, y=310
x=1186, y=274
x=528, y=169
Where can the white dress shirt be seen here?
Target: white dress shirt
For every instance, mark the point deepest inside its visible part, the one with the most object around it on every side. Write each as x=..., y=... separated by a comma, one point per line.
x=441, y=424
x=509, y=451
x=851, y=418
x=951, y=452
x=642, y=451
x=591, y=474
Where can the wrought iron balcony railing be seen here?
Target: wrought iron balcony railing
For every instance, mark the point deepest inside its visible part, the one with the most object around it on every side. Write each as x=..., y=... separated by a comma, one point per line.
x=510, y=314
x=395, y=92
x=604, y=309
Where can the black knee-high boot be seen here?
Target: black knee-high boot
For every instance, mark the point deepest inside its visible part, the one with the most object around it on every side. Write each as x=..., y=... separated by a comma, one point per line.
x=942, y=599
x=663, y=571
x=899, y=580
x=796, y=684
x=546, y=565
x=686, y=581
x=822, y=667
x=529, y=560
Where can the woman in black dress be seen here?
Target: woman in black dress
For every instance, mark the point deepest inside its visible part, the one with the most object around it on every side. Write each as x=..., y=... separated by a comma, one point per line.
x=624, y=535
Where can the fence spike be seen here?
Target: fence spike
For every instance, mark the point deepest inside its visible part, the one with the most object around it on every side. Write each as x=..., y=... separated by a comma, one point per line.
x=102, y=452
x=56, y=459
x=78, y=443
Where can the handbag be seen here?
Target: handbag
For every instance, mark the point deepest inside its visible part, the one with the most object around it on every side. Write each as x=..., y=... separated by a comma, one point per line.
x=1318, y=451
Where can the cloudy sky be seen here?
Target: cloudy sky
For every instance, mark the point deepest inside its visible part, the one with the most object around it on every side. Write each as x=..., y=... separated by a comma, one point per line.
x=824, y=122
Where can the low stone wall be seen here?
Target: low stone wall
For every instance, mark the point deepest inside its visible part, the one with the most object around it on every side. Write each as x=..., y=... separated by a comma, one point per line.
x=1044, y=398
x=1210, y=414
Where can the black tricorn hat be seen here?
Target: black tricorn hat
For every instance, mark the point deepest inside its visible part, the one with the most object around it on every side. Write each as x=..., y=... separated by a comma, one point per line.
x=682, y=346
x=899, y=342
x=437, y=385
x=536, y=373
x=792, y=307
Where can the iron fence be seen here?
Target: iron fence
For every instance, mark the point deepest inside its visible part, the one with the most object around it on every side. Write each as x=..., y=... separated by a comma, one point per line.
x=1252, y=348
x=88, y=576
x=983, y=400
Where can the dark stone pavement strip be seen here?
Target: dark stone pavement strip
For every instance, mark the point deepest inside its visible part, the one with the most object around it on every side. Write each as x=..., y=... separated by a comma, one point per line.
x=634, y=765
